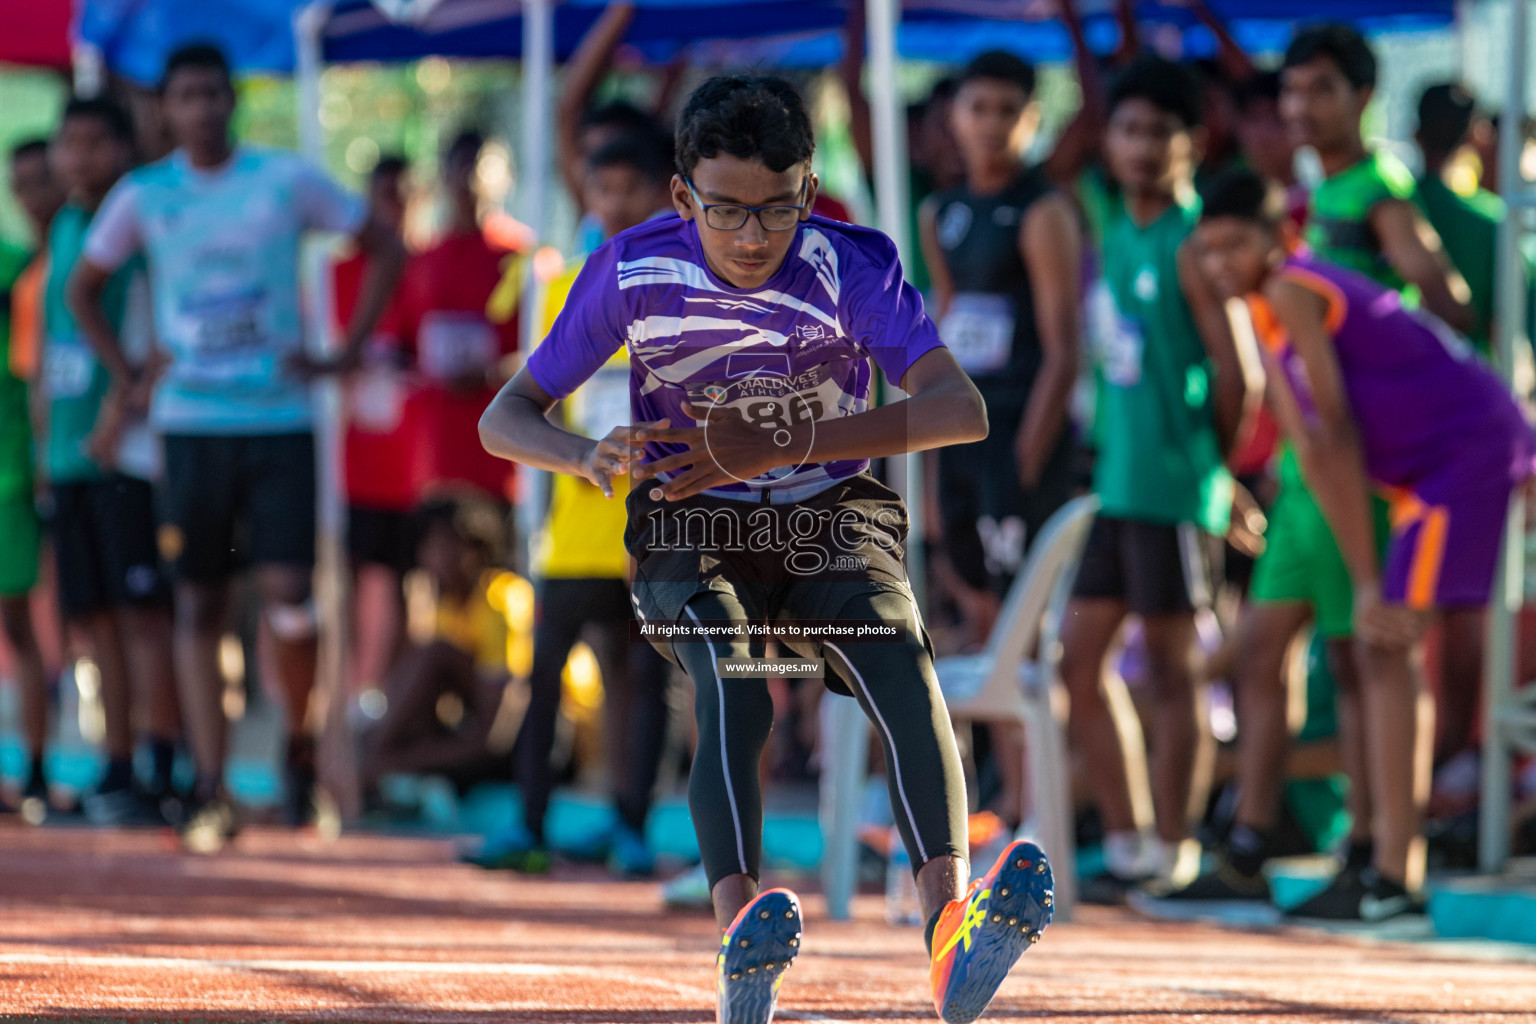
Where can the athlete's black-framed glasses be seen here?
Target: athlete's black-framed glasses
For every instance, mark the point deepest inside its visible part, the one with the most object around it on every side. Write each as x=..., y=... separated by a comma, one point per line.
x=731, y=216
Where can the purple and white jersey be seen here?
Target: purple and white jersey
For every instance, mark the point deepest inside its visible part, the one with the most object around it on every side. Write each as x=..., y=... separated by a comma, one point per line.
x=792, y=350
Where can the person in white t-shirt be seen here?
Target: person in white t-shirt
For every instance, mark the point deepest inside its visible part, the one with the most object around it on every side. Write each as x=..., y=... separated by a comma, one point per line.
x=221, y=227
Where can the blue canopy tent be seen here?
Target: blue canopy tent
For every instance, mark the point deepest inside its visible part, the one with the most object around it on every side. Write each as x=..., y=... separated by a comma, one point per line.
x=134, y=36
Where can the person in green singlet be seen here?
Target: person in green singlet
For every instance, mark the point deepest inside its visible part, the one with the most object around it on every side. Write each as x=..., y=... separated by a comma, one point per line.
x=1361, y=216
x=1173, y=394
x=112, y=588
x=38, y=195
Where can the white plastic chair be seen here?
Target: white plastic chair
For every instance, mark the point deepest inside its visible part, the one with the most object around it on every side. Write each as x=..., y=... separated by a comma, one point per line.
x=1003, y=684
x=1000, y=684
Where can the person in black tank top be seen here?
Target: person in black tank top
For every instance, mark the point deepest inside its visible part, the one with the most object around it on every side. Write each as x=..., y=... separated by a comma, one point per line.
x=1005, y=253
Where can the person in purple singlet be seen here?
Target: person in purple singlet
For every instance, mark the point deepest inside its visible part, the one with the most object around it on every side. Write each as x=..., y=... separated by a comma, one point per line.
x=1377, y=395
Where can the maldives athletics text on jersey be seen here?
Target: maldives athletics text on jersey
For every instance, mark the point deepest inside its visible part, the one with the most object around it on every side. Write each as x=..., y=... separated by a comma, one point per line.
x=791, y=350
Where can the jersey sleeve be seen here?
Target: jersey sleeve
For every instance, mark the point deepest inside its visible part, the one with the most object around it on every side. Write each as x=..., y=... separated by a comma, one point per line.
x=885, y=315
x=323, y=204
x=115, y=234
x=589, y=330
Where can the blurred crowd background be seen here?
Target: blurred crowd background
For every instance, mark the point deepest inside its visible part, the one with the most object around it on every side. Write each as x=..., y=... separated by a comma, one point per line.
x=483, y=666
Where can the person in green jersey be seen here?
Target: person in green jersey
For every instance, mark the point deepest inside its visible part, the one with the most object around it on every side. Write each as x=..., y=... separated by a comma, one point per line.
x=1173, y=393
x=111, y=586
x=32, y=184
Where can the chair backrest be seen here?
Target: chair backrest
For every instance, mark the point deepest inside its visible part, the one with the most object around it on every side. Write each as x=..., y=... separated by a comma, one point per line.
x=1041, y=588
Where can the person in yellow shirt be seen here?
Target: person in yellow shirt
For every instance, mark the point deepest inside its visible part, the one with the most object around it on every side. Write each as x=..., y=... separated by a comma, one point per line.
x=582, y=570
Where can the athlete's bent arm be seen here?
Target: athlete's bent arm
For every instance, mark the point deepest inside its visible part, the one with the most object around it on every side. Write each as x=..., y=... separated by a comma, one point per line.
x=1052, y=246
x=944, y=408
x=516, y=426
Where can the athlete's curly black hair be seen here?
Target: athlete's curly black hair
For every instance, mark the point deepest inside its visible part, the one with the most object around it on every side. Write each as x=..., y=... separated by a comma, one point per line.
x=1172, y=88
x=745, y=116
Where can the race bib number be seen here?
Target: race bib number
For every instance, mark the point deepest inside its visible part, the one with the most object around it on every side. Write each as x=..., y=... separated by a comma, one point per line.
x=978, y=330
x=602, y=403
x=378, y=400
x=455, y=345
x=68, y=368
x=1117, y=338
x=776, y=402
x=227, y=341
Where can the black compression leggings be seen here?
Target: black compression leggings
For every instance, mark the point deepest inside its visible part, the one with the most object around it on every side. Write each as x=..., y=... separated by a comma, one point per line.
x=895, y=685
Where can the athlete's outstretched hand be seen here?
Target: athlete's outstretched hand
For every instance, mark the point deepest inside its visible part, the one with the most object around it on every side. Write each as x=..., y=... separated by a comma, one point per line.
x=1392, y=626
x=724, y=448
x=611, y=456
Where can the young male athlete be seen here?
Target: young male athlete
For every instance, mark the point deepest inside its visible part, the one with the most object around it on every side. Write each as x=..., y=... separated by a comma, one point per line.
x=221, y=227
x=750, y=325
x=1173, y=393
x=1373, y=394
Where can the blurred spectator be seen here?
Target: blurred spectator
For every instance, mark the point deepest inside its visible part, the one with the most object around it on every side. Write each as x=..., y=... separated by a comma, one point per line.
x=581, y=128
x=458, y=351
x=1468, y=226
x=934, y=166
x=1172, y=399
x=582, y=572
x=444, y=695
x=1266, y=143
x=380, y=497
x=99, y=460
x=1005, y=253
x=1355, y=362
x=1003, y=250
x=221, y=227
x=35, y=189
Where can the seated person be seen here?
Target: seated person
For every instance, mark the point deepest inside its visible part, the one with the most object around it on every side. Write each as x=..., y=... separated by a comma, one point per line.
x=444, y=696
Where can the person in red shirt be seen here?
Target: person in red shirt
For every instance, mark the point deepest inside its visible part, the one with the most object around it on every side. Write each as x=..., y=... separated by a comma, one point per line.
x=457, y=350
x=379, y=441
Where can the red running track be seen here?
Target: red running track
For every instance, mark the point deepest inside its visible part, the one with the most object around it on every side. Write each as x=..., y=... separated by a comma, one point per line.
x=103, y=926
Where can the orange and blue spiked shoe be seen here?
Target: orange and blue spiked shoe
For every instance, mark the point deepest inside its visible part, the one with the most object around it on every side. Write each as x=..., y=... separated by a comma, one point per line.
x=981, y=936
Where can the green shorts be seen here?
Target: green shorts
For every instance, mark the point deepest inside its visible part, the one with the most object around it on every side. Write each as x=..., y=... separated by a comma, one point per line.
x=23, y=537
x=1302, y=563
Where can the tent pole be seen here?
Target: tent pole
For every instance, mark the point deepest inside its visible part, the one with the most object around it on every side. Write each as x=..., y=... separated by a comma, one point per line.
x=533, y=193
x=331, y=581
x=889, y=128
x=1503, y=610
x=840, y=857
